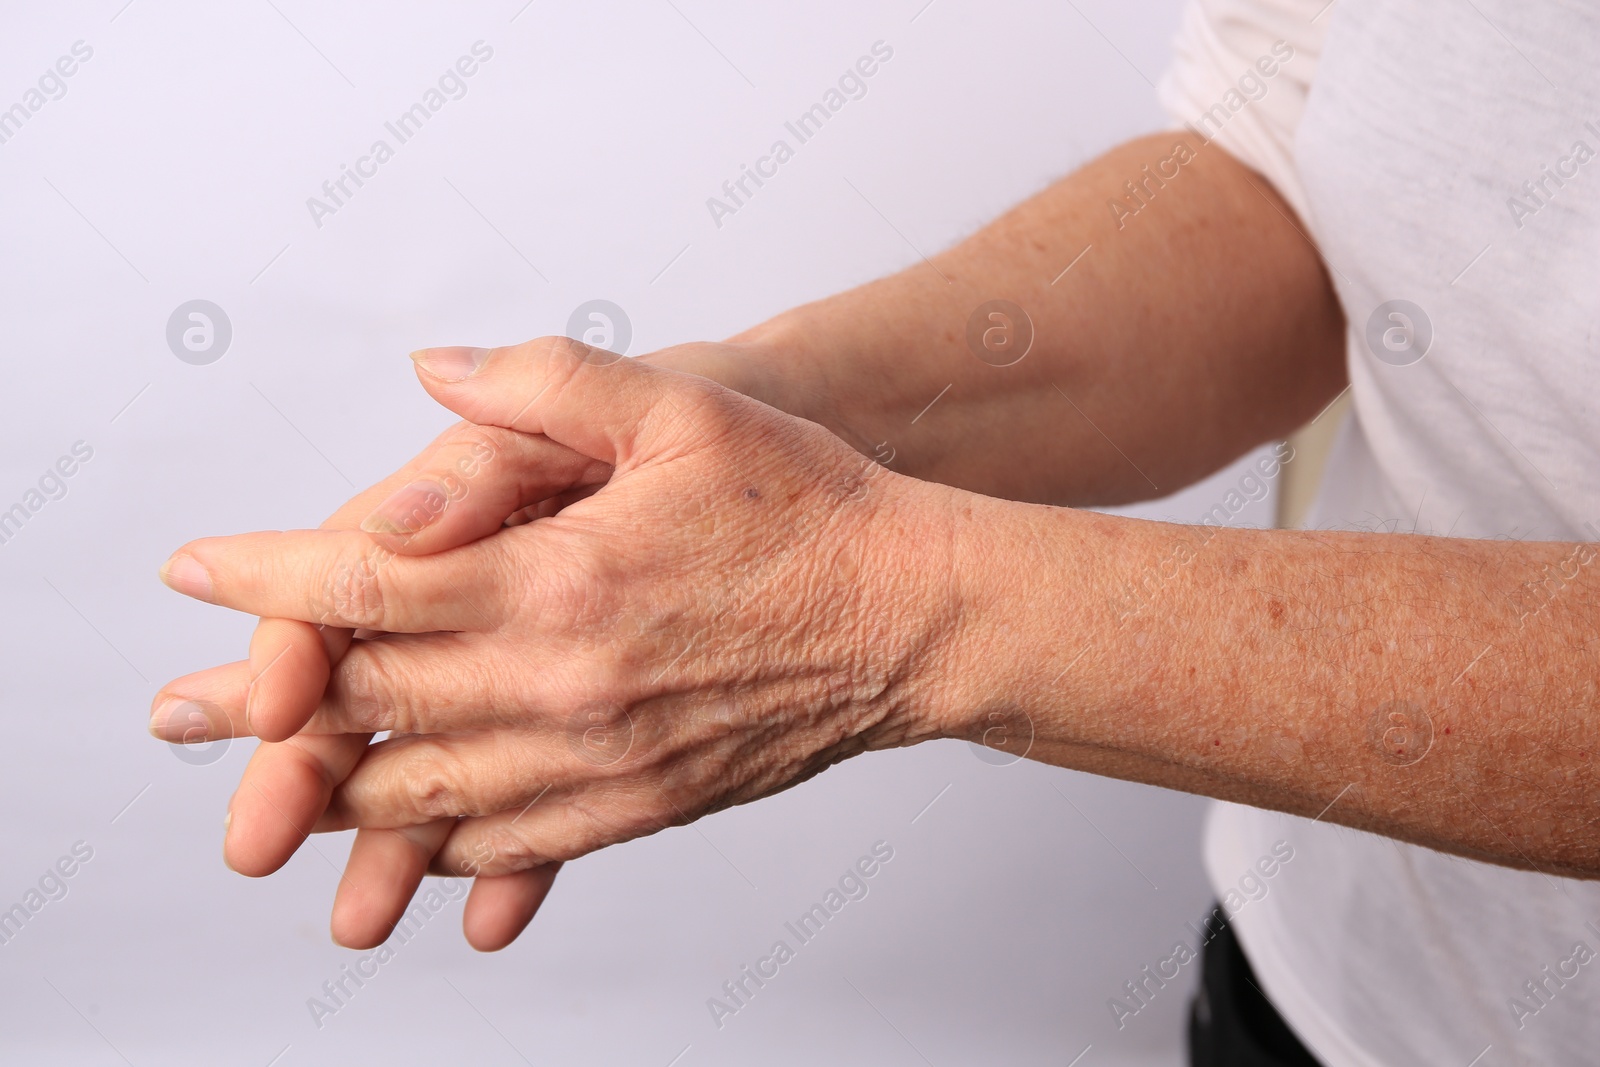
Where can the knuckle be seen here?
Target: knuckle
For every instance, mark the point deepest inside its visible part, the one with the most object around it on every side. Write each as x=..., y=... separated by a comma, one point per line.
x=559, y=358
x=458, y=458
x=353, y=592
x=602, y=737
x=433, y=788
x=508, y=574
x=478, y=447
x=549, y=344
x=699, y=410
x=483, y=439
x=620, y=814
x=369, y=692
x=577, y=582
x=504, y=848
x=586, y=826
x=359, y=714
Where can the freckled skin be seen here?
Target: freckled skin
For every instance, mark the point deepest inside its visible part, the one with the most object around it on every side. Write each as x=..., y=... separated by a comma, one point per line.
x=1521, y=754
x=741, y=643
x=1287, y=641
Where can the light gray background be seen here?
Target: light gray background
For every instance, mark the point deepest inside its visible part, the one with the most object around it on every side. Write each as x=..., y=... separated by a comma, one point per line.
x=177, y=167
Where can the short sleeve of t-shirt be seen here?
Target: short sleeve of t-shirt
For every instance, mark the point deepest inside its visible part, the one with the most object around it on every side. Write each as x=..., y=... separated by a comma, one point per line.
x=1240, y=75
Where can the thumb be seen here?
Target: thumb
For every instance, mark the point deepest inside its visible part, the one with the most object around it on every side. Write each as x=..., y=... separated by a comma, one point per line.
x=595, y=402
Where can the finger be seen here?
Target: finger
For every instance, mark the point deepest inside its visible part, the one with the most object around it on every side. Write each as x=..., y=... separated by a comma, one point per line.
x=342, y=578
x=287, y=676
x=582, y=397
x=289, y=667
x=289, y=659
x=471, y=485
x=457, y=439
x=500, y=907
x=432, y=684
x=241, y=699
x=560, y=826
x=207, y=705
x=264, y=832
x=407, y=683
x=285, y=789
x=380, y=877
x=412, y=779
x=551, y=505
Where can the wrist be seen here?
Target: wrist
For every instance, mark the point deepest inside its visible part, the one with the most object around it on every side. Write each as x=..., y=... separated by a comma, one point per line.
x=964, y=599
x=905, y=606
x=1029, y=584
x=768, y=363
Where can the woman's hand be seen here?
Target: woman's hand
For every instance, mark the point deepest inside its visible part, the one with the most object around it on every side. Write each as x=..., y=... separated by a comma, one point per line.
x=743, y=603
x=439, y=500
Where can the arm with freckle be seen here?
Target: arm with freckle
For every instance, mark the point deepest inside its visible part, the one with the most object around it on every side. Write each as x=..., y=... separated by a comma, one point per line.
x=1429, y=689
x=1155, y=347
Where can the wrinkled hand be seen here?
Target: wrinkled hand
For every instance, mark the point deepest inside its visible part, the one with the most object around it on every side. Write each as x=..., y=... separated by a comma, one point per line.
x=287, y=785
x=744, y=602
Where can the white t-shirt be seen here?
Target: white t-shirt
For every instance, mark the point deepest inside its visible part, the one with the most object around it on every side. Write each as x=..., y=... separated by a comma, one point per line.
x=1445, y=154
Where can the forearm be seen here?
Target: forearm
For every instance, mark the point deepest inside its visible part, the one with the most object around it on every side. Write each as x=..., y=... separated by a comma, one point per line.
x=1181, y=336
x=1441, y=691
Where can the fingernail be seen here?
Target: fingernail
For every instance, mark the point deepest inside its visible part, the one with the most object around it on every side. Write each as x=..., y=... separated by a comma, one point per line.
x=409, y=510
x=184, y=574
x=252, y=695
x=180, y=722
x=451, y=364
x=250, y=705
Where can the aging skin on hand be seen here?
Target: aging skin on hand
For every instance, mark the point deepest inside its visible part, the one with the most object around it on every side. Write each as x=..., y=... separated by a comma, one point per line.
x=718, y=599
